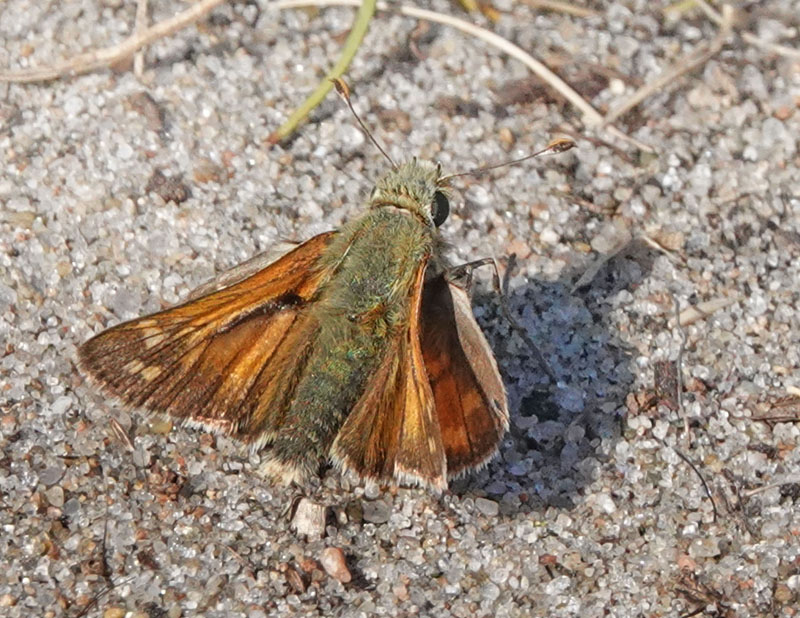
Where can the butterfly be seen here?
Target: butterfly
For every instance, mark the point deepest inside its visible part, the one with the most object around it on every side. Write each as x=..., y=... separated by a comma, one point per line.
x=358, y=347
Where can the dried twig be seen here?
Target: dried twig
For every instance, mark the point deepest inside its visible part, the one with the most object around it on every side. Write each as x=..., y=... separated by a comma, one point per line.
x=784, y=409
x=702, y=479
x=748, y=37
x=96, y=598
x=789, y=479
x=105, y=568
x=108, y=56
x=101, y=58
x=770, y=419
x=659, y=247
x=595, y=267
x=698, y=592
x=685, y=65
x=693, y=313
x=591, y=117
x=245, y=564
x=687, y=432
x=740, y=506
x=681, y=410
x=141, y=25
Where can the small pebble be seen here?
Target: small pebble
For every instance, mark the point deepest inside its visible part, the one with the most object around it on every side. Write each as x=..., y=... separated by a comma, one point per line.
x=490, y=508
x=55, y=496
x=783, y=594
x=354, y=511
x=372, y=491
x=604, y=502
x=309, y=519
x=376, y=512
x=50, y=476
x=333, y=561
x=295, y=580
x=400, y=591
x=61, y=405
x=6, y=600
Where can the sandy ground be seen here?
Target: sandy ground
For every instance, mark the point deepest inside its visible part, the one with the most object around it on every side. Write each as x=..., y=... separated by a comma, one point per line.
x=119, y=194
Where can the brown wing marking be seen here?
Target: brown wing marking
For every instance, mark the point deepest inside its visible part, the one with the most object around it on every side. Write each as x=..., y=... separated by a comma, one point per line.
x=211, y=361
x=392, y=432
x=470, y=399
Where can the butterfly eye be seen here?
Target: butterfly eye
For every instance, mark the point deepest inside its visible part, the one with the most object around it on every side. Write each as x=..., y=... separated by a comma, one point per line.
x=440, y=208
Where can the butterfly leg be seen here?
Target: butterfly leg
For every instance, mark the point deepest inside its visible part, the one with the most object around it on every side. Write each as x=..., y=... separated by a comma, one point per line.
x=461, y=275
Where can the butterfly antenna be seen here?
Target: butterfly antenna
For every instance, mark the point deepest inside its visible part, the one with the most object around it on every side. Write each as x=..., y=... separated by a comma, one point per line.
x=561, y=144
x=344, y=91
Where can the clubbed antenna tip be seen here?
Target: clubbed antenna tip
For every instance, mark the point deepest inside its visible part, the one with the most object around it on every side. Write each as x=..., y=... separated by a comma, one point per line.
x=344, y=91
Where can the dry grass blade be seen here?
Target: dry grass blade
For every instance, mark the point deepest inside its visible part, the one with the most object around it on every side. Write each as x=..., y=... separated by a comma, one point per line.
x=102, y=58
x=749, y=37
x=84, y=611
x=120, y=434
x=698, y=592
x=108, y=56
x=782, y=410
x=694, y=468
x=591, y=117
x=141, y=25
x=789, y=479
x=775, y=418
x=683, y=66
x=687, y=432
x=357, y=33
x=595, y=267
x=660, y=247
x=690, y=315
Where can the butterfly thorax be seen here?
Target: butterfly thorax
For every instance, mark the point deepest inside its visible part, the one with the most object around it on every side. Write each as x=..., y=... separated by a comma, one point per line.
x=374, y=262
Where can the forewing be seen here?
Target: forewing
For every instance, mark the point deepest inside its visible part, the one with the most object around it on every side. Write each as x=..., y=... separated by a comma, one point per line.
x=212, y=361
x=242, y=271
x=392, y=432
x=471, y=403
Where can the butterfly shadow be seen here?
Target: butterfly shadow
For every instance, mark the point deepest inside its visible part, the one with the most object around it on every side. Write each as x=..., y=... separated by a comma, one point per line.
x=561, y=434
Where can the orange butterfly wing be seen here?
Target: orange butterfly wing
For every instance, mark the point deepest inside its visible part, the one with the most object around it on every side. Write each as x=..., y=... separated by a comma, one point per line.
x=471, y=405
x=204, y=361
x=392, y=433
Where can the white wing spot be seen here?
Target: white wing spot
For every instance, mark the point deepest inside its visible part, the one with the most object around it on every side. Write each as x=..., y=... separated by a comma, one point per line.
x=134, y=366
x=153, y=337
x=151, y=373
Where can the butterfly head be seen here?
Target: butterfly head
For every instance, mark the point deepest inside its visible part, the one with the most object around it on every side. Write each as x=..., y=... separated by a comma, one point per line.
x=415, y=186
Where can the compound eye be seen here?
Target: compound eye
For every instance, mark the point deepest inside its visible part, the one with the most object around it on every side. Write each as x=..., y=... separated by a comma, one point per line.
x=440, y=208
